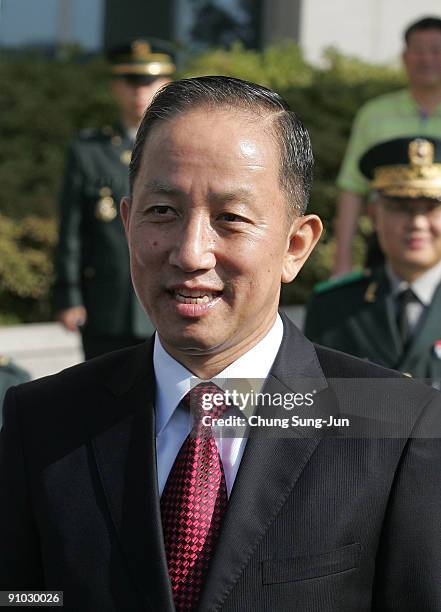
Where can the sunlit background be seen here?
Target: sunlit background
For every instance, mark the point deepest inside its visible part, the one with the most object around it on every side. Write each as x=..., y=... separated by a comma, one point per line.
x=327, y=59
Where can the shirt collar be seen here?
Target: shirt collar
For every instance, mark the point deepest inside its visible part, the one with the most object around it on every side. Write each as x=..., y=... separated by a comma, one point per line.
x=173, y=380
x=423, y=287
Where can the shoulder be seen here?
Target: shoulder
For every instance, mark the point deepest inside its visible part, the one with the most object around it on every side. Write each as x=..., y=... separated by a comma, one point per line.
x=336, y=364
x=381, y=104
x=75, y=394
x=386, y=394
x=58, y=415
x=93, y=136
x=334, y=300
x=83, y=376
x=347, y=283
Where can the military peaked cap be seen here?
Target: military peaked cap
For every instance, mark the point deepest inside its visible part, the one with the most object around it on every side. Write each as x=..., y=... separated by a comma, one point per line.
x=138, y=62
x=405, y=167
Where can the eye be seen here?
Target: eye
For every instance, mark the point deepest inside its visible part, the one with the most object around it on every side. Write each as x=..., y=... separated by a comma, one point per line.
x=231, y=218
x=160, y=212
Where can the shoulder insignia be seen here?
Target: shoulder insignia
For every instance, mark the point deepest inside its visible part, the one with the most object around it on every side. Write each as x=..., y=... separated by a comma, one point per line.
x=4, y=361
x=341, y=281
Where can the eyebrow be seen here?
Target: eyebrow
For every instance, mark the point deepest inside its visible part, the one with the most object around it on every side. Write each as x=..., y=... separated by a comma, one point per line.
x=162, y=187
x=159, y=186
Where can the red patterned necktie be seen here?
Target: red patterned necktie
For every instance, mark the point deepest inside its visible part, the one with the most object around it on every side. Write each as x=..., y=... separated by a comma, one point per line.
x=193, y=503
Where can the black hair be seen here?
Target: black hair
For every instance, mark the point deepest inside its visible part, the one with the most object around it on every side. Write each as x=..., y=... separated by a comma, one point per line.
x=427, y=23
x=296, y=159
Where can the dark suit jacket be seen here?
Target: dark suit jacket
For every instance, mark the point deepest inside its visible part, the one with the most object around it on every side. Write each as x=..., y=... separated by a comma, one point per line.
x=357, y=315
x=315, y=523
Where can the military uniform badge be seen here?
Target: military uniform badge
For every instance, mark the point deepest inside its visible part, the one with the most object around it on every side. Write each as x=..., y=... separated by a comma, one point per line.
x=105, y=209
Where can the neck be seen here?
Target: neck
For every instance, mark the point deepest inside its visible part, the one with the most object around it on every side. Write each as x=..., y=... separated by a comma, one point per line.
x=407, y=273
x=208, y=364
x=427, y=98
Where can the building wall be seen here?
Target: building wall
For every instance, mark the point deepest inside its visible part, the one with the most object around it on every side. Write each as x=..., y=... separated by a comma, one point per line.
x=49, y=22
x=369, y=29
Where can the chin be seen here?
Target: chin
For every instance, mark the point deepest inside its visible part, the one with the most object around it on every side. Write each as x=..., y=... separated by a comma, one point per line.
x=191, y=343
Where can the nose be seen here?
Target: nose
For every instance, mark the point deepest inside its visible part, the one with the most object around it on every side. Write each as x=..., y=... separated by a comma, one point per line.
x=193, y=250
x=418, y=219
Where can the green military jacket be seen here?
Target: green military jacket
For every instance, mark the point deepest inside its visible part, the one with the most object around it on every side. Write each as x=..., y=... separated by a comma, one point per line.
x=10, y=374
x=356, y=314
x=92, y=258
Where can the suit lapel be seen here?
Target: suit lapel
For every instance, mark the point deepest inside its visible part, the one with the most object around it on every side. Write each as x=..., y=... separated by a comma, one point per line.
x=125, y=454
x=269, y=469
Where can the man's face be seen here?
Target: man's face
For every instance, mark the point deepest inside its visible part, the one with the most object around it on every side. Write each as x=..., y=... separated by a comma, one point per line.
x=422, y=58
x=134, y=97
x=409, y=232
x=208, y=232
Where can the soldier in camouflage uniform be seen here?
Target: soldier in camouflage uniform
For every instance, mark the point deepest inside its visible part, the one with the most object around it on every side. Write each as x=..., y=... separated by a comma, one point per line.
x=391, y=314
x=93, y=290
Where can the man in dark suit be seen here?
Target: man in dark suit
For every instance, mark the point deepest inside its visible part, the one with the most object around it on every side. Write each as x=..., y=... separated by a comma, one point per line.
x=93, y=291
x=110, y=493
x=391, y=314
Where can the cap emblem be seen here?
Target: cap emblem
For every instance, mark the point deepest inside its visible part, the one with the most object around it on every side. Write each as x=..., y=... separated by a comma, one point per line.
x=421, y=152
x=141, y=50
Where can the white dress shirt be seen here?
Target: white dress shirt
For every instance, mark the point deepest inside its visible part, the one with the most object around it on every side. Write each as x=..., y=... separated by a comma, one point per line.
x=173, y=421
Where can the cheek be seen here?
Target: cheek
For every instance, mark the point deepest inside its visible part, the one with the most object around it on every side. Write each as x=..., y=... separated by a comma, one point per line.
x=255, y=271
x=436, y=229
x=388, y=228
x=145, y=248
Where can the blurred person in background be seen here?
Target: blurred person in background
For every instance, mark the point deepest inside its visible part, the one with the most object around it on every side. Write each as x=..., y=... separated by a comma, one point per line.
x=391, y=314
x=415, y=110
x=93, y=291
x=10, y=374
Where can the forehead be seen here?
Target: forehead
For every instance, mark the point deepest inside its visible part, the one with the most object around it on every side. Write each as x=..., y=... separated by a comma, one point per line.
x=432, y=35
x=228, y=139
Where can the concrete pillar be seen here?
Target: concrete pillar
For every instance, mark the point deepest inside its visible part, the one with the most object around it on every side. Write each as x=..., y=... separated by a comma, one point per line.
x=280, y=20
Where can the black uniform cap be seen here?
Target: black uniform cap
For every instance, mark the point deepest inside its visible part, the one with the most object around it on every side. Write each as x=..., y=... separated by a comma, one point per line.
x=405, y=167
x=139, y=63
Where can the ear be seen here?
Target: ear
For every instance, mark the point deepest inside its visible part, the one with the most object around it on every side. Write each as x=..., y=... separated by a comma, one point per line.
x=304, y=234
x=372, y=211
x=124, y=208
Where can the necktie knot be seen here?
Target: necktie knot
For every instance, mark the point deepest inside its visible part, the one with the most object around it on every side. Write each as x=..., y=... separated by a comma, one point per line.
x=405, y=298
x=205, y=399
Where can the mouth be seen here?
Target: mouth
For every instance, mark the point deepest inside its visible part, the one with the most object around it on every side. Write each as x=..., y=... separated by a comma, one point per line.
x=194, y=296
x=418, y=241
